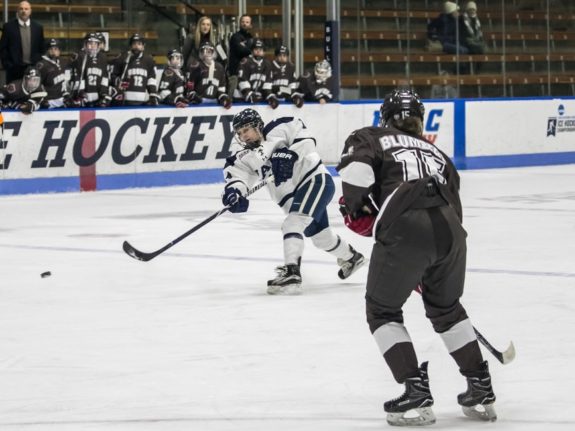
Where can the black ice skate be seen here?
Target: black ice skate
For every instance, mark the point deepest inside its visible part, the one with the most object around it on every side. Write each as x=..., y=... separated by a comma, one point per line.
x=414, y=406
x=477, y=401
x=287, y=282
x=351, y=265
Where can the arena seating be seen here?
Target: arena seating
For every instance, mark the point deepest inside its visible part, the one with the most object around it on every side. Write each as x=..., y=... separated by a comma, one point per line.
x=527, y=54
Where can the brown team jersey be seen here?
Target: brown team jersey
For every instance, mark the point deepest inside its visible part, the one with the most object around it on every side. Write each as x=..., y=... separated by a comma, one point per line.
x=391, y=169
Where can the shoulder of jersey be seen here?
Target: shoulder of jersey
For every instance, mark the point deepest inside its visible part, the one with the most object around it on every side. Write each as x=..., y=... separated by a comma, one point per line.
x=168, y=72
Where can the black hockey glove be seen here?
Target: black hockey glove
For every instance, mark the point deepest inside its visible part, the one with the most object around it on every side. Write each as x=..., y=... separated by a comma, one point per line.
x=297, y=100
x=225, y=101
x=233, y=199
x=254, y=97
x=273, y=101
x=282, y=162
x=27, y=107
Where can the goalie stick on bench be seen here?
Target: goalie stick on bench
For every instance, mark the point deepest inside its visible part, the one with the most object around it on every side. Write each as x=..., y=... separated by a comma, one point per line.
x=144, y=257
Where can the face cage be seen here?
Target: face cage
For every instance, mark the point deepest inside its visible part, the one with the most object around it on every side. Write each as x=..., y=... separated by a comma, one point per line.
x=90, y=49
x=322, y=74
x=31, y=83
x=253, y=125
x=176, y=61
x=207, y=55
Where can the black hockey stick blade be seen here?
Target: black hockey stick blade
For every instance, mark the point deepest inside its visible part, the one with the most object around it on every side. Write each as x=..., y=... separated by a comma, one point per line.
x=504, y=357
x=137, y=254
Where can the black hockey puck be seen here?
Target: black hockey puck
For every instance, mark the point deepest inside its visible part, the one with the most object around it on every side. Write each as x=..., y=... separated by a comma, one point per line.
x=46, y=274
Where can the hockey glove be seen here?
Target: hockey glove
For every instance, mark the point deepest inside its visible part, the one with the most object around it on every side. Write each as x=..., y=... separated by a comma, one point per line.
x=194, y=98
x=297, y=100
x=273, y=101
x=27, y=107
x=361, y=222
x=225, y=101
x=182, y=103
x=154, y=101
x=233, y=199
x=282, y=162
x=254, y=97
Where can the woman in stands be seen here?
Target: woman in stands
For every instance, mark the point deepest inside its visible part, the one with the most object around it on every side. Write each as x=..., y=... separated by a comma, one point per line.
x=204, y=33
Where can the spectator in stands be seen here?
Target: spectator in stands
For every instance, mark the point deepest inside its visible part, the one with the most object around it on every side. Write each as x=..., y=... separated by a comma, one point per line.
x=53, y=78
x=206, y=79
x=240, y=48
x=473, y=36
x=25, y=94
x=22, y=43
x=172, y=82
x=134, y=75
x=89, y=78
x=318, y=86
x=204, y=32
x=448, y=29
x=285, y=84
x=254, y=75
x=444, y=90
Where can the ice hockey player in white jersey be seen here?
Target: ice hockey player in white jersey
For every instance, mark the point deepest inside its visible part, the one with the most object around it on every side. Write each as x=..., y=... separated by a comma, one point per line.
x=302, y=187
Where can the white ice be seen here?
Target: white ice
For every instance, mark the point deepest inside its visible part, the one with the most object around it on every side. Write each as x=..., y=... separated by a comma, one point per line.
x=190, y=340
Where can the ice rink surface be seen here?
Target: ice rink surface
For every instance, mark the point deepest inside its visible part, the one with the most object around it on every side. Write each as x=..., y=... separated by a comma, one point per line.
x=190, y=340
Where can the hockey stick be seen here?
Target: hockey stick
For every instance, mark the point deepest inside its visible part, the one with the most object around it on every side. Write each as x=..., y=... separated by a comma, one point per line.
x=144, y=257
x=504, y=357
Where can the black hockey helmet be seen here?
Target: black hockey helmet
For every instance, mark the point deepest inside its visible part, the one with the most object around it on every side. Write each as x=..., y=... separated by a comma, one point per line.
x=248, y=118
x=282, y=49
x=136, y=37
x=258, y=43
x=207, y=52
x=89, y=40
x=175, y=58
x=400, y=104
x=51, y=43
x=31, y=79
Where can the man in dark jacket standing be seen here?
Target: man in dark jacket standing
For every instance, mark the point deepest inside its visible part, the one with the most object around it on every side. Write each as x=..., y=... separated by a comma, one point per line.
x=22, y=43
x=240, y=47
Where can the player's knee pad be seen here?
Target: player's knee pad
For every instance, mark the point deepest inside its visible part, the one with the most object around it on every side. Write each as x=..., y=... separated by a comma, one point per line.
x=295, y=223
x=379, y=314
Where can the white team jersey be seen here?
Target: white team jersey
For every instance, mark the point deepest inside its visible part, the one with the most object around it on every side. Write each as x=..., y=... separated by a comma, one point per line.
x=248, y=166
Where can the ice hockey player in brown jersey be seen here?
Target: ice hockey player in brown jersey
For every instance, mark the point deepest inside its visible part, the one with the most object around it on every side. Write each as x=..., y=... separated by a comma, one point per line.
x=172, y=82
x=404, y=191
x=207, y=79
x=24, y=94
x=254, y=76
x=134, y=75
x=285, y=84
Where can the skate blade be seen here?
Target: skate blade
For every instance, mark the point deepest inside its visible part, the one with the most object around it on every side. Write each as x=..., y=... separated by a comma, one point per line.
x=481, y=412
x=290, y=289
x=358, y=265
x=424, y=417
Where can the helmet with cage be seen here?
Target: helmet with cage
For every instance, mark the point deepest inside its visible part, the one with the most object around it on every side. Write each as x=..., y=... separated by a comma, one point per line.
x=248, y=126
x=322, y=70
x=207, y=52
x=92, y=44
x=175, y=58
x=31, y=80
